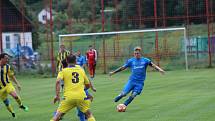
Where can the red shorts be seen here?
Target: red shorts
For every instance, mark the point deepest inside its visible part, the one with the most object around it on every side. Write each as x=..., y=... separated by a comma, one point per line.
x=91, y=67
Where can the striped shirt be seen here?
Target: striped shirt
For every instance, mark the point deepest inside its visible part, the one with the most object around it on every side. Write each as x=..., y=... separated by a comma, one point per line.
x=60, y=57
x=6, y=72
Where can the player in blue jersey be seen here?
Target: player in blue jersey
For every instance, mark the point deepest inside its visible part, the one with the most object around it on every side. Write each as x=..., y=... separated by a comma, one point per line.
x=81, y=61
x=138, y=66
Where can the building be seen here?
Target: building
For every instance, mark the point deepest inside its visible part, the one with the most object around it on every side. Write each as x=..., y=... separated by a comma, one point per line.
x=44, y=16
x=198, y=46
x=15, y=28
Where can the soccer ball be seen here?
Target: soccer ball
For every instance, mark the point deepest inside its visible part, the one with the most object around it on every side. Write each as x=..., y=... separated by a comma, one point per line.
x=121, y=108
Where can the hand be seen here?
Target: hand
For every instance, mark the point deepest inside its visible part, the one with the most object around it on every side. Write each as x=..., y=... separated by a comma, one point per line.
x=90, y=97
x=56, y=99
x=111, y=73
x=94, y=89
x=162, y=72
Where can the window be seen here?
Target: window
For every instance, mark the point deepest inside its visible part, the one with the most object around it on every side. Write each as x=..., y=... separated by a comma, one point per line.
x=7, y=42
x=44, y=17
x=16, y=39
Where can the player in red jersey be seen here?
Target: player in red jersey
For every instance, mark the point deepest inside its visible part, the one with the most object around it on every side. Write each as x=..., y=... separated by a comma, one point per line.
x=91, y=57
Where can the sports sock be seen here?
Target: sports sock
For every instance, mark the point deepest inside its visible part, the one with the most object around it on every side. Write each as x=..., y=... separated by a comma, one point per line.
x=129, y=100
x=18, y=100
x=81, y=115
x=91, y=119
x=10, y=109
x=118, y=98
x=7, y=104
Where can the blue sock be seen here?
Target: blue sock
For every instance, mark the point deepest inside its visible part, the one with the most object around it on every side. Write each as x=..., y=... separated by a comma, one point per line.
x=6, y=102
x=118, y=98
x=81, y=115
x=129, y=100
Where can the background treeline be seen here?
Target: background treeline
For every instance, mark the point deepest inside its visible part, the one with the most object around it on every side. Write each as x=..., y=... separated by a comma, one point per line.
x=80, y=16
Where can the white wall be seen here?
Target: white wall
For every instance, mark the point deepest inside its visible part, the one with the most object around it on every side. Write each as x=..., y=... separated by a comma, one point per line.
x=42, y=13
x=25, y=39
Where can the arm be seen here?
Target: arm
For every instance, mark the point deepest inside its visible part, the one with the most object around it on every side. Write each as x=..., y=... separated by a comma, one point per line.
x=57, y=90
x=58, y=59
x=157, y=68
x=117, y=70
x=92, y=86
x=11, y=75
x=87, y=86
x=84, y=63
x=95, y=54
x=87, y=56
x=86, y=80
x=16, y=82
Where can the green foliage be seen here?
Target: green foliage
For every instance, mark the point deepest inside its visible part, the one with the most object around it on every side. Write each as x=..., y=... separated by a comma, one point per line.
x=61, y=20
x=36, y=42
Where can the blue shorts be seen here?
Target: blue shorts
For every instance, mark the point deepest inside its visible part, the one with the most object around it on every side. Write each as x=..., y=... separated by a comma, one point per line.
x=134, y=87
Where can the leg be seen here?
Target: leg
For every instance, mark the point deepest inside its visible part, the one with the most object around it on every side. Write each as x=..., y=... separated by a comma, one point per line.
x=91, y=70
x=16, y=97
x=18, y=100
x=128, y=87
x=120, y=96
x=130, y=99
x=89, y=116
x=57, y=116
x=94, y=69
x=64, y=106
x=9, y=107
x=84, y=106
x=81, y=115
x=136, y=91
x=11, y=90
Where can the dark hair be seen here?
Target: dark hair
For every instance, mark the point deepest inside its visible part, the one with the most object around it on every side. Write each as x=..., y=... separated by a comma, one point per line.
x=90, y=46
x=3, y=55
x=71, y=59
x=64, y=63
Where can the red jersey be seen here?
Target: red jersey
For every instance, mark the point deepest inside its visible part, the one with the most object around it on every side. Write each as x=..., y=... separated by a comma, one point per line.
x=91, y=56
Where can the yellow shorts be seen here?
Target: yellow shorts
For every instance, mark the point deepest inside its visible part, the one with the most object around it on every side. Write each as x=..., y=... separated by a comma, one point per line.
x=68, y=104
x=6, y=90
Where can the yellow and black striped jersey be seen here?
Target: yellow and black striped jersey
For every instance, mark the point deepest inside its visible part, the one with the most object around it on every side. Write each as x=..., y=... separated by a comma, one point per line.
x=6, y=72
x=60, y=57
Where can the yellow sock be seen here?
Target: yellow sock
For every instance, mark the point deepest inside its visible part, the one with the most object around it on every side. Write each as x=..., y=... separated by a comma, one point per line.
x=10, y=109
x=91, y=119
x=18, y=100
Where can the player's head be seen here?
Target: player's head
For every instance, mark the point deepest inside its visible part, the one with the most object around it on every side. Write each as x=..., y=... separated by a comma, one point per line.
x=4, y=58
x=78, y=53
x=62, y=47
x=71, y=59
x=64, y=63
x=137, y=52
x=90, y=47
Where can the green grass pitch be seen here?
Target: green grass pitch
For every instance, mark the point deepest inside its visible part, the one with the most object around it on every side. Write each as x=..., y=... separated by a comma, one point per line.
x=176, y=96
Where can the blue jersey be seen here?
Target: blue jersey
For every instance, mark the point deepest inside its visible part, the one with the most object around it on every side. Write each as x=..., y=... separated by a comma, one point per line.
x=138, y=68
x=80, y=60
